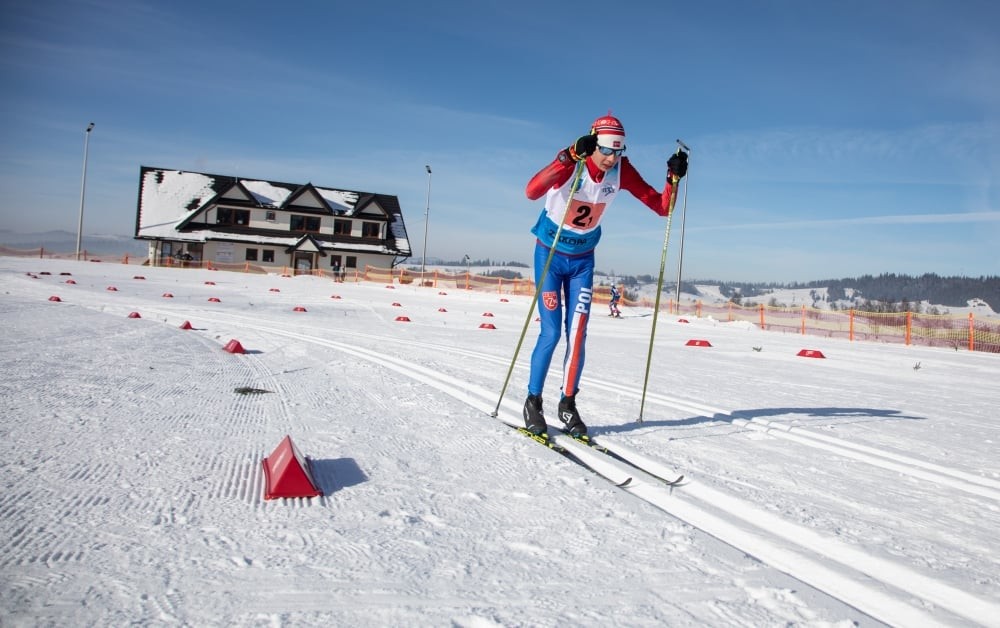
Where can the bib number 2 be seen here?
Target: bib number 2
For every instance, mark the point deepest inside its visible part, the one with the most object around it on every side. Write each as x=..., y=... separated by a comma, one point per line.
x=584, y=215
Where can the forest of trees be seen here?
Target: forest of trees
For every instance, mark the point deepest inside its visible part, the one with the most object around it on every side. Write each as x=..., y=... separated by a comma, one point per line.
x=887, y=288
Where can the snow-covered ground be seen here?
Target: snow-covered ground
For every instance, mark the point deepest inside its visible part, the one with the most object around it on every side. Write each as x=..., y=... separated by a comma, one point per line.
x=863, y=487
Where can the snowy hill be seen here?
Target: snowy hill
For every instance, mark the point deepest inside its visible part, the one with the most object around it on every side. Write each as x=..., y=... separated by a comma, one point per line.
x=65, y=242
x=853, y=489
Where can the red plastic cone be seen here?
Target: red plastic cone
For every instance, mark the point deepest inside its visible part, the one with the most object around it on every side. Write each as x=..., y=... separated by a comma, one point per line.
x=287, y=473
x=698, y=343
x=810, y=353
x=234, y=346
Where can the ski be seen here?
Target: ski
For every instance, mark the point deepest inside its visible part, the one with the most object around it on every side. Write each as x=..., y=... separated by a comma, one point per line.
x=578, y=449
x=540, y=439
x=632, y=458
x=578, y=456
x=586, y=441
x=639, y=461
x=612, y=460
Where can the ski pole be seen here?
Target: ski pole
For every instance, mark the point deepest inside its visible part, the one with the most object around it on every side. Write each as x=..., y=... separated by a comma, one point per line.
x=538, y=287
x=674, y=180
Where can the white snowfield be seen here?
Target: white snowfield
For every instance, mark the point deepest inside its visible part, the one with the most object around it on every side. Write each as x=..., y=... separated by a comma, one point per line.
x=860, y=488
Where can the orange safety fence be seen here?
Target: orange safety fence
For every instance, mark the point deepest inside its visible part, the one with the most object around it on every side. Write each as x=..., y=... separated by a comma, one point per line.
x=911, y=328
x=959, y=331
x=455, y=281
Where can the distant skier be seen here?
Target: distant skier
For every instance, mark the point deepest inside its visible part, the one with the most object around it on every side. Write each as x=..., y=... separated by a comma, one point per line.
x=613, y=304
x=569, y=281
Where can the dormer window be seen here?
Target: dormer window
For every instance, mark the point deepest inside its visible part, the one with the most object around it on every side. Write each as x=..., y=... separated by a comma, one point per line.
x=305, y=223
x=226, y=216
x=342, y=227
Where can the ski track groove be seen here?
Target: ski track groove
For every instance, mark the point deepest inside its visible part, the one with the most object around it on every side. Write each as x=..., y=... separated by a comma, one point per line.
x=769, y=540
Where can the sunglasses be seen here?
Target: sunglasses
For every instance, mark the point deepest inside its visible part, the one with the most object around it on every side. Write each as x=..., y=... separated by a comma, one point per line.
x=604, y=150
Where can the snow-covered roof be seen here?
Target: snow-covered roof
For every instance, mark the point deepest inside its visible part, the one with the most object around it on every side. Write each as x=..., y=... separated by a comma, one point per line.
x=339, y=200
x=266, y=193
x=168, y=197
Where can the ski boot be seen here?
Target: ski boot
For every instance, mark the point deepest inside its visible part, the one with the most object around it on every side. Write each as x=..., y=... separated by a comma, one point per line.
x=534, y=418
x=569, y=416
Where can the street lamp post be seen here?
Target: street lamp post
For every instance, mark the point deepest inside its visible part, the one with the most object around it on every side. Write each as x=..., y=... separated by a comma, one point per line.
x=467, y=271
x=427, y=212
x=83, y=187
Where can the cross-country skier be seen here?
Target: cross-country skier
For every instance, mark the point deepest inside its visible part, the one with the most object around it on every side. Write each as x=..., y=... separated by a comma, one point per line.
x=570, y=278
x=613, y=303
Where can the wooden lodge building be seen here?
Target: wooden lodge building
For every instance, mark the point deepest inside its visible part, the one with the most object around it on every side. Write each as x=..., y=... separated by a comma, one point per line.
x=222, y=220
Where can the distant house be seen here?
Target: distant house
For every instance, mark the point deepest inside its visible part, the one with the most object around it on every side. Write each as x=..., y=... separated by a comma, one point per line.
x=198, y=217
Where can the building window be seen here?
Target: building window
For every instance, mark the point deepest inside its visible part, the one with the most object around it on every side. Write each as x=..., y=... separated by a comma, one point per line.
x=226, y=216
x=305, y=223
x=251, y=255
x=269, y=216
x=352, y=262
x=342, y=227
x=268, y=257
x=370, y=229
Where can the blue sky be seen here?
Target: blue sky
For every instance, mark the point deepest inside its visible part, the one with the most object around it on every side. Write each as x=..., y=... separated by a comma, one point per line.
x=829, y=139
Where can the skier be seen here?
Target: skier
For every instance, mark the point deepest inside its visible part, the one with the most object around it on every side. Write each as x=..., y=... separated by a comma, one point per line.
x=570, y=278
x=613, y=303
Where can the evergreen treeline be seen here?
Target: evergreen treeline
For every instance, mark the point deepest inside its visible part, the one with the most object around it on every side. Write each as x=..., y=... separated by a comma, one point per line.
x=886, y=288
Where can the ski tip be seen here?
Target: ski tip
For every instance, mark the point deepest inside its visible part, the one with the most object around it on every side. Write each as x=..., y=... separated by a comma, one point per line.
x=625, y=483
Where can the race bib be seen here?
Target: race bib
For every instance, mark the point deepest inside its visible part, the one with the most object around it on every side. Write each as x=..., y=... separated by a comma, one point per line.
x=583, y=215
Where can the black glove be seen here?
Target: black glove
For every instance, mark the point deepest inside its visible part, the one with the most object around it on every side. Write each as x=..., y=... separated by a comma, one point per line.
x=584, y=147
x=677, y=165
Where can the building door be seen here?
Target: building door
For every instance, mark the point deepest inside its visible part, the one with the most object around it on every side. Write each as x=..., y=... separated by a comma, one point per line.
x=303, y=263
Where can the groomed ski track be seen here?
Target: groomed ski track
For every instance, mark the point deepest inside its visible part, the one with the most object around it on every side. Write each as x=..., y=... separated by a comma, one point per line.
x=880, y=588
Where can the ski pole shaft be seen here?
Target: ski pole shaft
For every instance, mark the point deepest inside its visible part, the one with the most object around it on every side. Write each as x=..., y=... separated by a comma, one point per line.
x=538, y=287
x=674, y=181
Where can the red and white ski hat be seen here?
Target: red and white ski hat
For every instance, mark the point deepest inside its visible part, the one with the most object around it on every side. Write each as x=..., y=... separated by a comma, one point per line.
x=610, y=132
